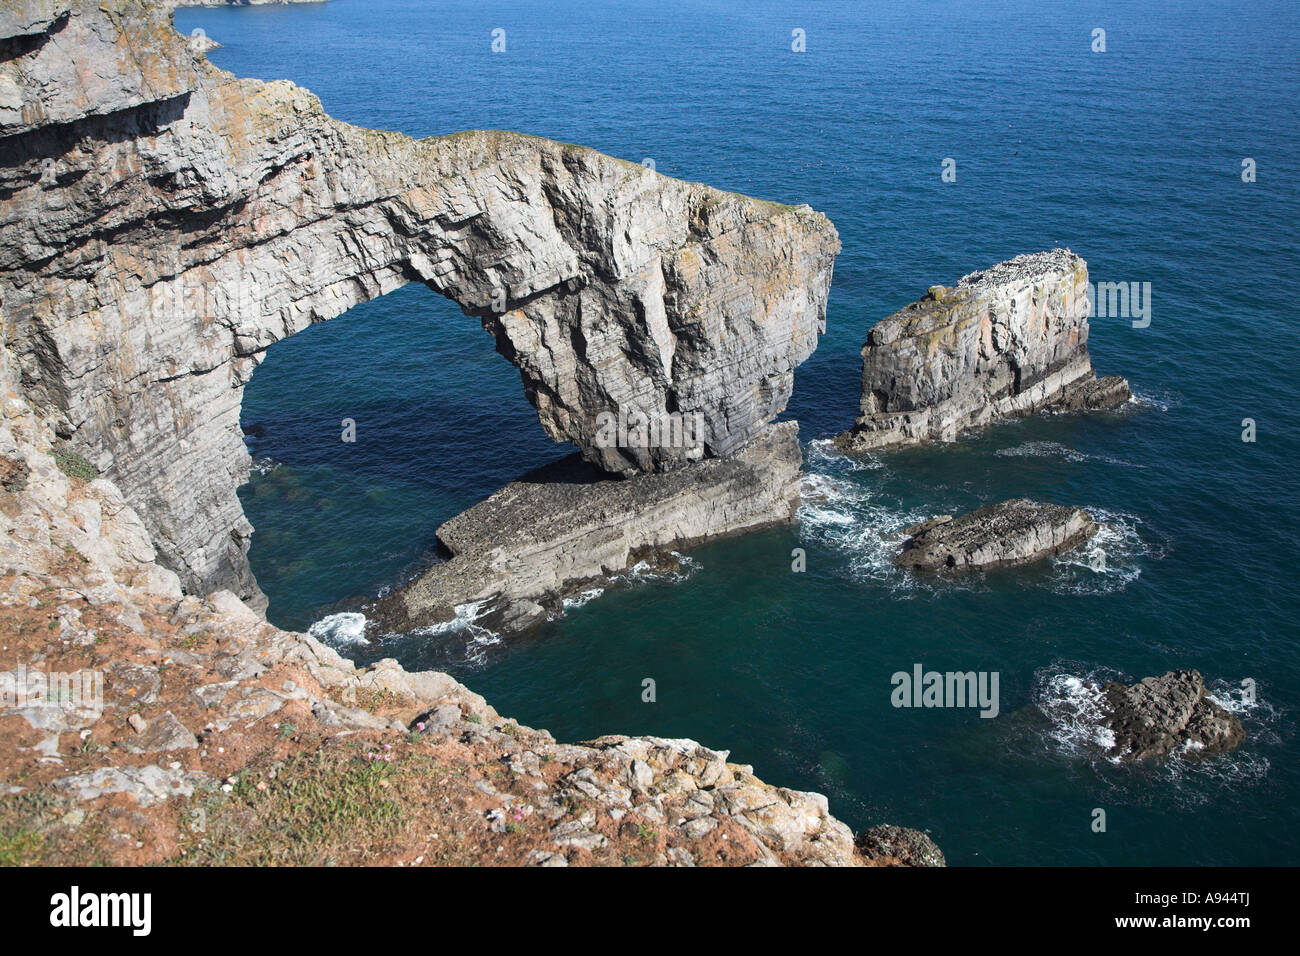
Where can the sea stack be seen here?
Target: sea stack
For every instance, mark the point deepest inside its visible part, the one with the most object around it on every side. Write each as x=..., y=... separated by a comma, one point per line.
x=1010, y=340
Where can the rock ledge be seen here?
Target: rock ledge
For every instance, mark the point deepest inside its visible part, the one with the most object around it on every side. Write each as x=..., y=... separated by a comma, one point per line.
x=1013, y=532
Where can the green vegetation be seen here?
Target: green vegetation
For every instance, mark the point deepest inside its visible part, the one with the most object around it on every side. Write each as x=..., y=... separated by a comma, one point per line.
x=19, y=847
x=74, y=466
x=314, y=809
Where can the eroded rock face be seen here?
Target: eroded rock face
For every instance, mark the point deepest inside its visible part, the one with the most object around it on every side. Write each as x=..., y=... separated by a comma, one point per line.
x=1160, y=714
x=518, y=553
x=165, y=223
x=1009, y=533
x=1007, y=341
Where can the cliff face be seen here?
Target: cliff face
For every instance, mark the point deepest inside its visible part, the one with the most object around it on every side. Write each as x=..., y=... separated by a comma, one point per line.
x=165, y=223
x=1007, y=341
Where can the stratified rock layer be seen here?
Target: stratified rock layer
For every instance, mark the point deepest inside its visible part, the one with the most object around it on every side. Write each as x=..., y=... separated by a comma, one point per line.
x=518, y=553
x=1160, y=714
x=1013, y=532
x=165, y=223
x=1007, y=341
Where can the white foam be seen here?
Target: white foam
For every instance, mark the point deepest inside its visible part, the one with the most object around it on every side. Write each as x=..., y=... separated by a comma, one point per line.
x=823, y=454
x=263, y=466
x=1111, y=560
x=579, y=600
x=480, y=639
x=465, y=616
x=340, y=630
x=1162, y=402
x=1238, y=699
x=643, y=572
x=464, y=624
x=839, y=511
x=1052, y=449
x=1073, y=707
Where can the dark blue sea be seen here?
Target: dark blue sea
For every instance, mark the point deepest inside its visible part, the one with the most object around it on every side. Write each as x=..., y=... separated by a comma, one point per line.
x=1132, y=157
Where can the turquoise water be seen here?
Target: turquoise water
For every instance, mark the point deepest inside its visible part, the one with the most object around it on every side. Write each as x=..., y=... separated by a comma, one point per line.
x=1130, y=157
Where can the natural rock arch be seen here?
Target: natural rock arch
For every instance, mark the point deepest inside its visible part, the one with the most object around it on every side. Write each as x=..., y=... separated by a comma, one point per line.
x=144, y=273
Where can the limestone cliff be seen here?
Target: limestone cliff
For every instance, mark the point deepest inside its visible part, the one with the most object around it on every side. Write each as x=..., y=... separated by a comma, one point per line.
x=1007, y=341
x=165, y=223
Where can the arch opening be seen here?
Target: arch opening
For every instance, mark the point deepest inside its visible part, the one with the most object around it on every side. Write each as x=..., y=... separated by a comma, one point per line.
x=366, y=433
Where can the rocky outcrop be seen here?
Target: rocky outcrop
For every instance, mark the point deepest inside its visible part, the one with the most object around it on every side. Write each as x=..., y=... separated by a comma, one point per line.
x=564, y=527
x=165, y=223
x=1007, y=341
x=1158, y=715
x=202, y=43
x=899, y=846
x=1013, y=532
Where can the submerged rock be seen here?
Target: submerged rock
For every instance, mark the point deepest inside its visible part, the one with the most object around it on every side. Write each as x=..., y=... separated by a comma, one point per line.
x=1160, y=714
x=565, y=526
x=1007, y=341
x=1013, y=532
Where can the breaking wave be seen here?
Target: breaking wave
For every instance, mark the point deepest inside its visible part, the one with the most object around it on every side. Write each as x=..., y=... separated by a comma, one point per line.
x=643, y=572
x=1073, y=707
x=464, y=625
x=1161, y=401
x=263, y=466
x=840, y=512
x=347, y=629
x=1111, y=560
x=585, y=597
